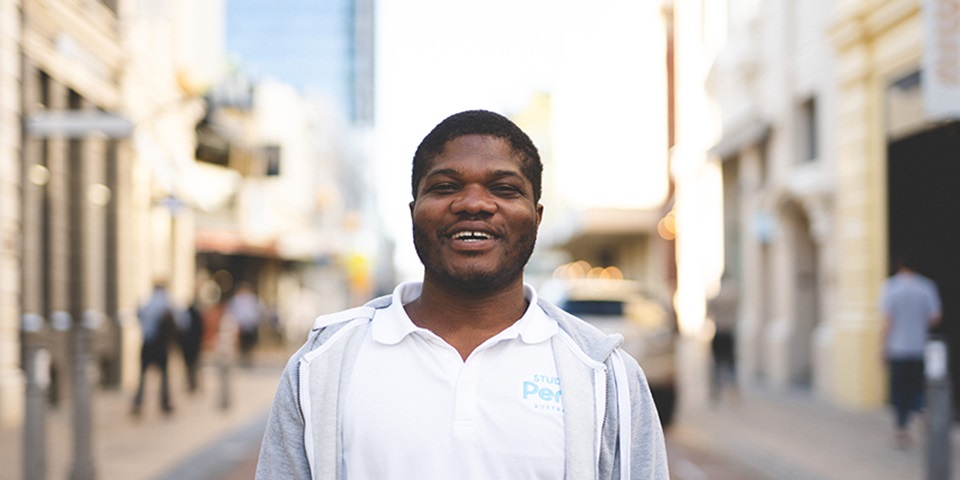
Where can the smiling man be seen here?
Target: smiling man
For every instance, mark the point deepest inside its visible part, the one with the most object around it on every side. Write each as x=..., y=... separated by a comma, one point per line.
x=467, y=374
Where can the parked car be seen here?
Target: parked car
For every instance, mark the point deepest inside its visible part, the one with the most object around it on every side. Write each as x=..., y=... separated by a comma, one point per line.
x=648, y=326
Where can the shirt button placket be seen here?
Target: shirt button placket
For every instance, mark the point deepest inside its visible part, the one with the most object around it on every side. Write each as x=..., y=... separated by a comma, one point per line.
x=465, y=396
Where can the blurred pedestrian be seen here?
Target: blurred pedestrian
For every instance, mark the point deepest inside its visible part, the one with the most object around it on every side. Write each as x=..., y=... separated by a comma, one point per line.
x=723, y=310
x=212, y=317
x=910, y=304
x=159, y=329
x=245, y=310
x=191, y=339
x=225, y=352
x=467, y=373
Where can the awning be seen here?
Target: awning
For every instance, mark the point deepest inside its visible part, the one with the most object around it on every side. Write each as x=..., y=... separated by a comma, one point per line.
x=755, y=132
x=230, y=242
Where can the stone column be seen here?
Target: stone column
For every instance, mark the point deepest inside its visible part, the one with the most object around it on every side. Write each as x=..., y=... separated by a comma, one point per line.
x=35, y=349
x=754, y=234
x=57, y=244
x=860, y=206
x=11, y=379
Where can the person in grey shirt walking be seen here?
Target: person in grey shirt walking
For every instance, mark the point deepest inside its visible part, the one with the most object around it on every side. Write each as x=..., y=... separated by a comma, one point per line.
x=910, y=304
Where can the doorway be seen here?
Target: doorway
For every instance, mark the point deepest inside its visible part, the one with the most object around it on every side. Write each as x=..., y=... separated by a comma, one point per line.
x=805, y=290
x=924, y=219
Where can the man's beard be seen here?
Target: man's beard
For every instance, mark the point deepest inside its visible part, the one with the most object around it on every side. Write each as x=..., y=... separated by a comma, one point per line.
x=474, y=279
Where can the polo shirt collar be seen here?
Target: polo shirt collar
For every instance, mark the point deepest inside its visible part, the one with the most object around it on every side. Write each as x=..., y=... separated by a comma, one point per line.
x=533, y=327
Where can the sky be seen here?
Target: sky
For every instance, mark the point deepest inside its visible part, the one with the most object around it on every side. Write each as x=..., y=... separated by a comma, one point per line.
x=291, y=40
x=601, y=63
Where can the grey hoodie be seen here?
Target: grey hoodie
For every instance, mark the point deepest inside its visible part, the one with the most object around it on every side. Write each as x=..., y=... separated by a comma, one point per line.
x=608, y=408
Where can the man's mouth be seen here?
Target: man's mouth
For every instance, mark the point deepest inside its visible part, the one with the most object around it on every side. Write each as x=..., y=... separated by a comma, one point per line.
x=471, y=236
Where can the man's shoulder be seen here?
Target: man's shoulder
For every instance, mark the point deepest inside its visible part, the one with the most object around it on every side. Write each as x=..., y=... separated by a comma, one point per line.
x=365, y=311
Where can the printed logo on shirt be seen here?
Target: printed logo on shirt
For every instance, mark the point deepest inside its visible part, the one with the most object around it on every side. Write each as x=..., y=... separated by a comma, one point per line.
x=542, y=392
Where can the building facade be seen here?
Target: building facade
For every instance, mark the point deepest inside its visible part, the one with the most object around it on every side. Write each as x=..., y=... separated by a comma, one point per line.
x=294, y=127
x=825, y=163
x=62, y=60
x=897, y=165
x=285, y=209
x=97, y=109
x=778, y=167
x=11, y=378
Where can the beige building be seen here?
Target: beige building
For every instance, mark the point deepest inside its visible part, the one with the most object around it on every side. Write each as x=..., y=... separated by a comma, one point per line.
x=62, y=60
x=11, y=379
x=823, y=162
x=773, y=85
x=897, y=64
x=107, y=93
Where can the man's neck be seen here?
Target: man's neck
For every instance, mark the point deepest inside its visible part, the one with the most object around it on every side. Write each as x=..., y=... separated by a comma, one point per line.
x=465, y=319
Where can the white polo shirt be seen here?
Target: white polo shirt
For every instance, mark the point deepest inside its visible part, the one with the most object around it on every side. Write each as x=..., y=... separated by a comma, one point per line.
x=415, y=409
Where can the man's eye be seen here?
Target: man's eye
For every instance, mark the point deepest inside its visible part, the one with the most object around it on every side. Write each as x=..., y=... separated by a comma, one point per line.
x=506, y=190
x=443, y=188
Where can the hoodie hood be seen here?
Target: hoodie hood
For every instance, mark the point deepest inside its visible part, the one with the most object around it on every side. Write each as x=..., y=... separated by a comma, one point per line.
x=596, y=344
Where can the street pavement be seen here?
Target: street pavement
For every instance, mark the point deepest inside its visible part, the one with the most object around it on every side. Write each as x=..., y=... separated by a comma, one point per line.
x=761, y=435
x=791, y=435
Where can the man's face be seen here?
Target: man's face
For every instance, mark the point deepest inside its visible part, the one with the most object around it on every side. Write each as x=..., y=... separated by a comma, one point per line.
x=474, y=219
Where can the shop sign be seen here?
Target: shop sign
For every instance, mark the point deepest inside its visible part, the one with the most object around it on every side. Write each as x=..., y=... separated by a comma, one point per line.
x=941, y=59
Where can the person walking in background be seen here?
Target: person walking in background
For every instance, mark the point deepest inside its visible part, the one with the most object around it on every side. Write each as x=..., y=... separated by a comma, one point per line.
x=191, y=340
x=723, y=310
x=467, y=373
x=245, y=310
x=910, y=304
x=158, y=327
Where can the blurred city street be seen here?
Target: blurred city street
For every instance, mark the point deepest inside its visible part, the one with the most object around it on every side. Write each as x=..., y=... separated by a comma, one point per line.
x=760, y=435
x=197, y=441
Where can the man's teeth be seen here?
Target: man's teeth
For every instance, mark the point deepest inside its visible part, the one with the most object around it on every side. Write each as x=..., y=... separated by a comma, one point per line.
x=472, y=236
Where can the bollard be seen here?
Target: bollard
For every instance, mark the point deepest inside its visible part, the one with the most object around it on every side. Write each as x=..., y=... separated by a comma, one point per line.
x=37, y=370
x=223, y=376
x=226, y=343
x=939, y=411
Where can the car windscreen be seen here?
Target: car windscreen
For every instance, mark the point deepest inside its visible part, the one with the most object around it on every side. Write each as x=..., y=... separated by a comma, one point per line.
x=613, y=308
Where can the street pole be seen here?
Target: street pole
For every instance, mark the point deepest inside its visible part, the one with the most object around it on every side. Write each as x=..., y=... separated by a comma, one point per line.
x=37, y=367
x=83, y=465
x=939, y=411
x=226, y=339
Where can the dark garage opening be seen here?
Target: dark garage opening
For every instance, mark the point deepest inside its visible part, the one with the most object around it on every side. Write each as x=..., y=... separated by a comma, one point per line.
x=924, y=220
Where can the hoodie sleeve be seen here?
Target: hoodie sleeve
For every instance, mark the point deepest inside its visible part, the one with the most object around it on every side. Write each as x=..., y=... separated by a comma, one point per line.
x=648, y=452
x=649, y=448
x=283, y=452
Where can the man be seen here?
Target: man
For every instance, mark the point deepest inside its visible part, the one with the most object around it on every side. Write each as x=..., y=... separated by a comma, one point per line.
x=244, y=308
x=158, y=329
x=467, y=374
x=910, y=305
x=723, y=309
x=191, y=338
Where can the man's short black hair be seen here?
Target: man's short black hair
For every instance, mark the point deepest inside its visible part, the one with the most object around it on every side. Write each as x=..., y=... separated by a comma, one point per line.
x=479, y=122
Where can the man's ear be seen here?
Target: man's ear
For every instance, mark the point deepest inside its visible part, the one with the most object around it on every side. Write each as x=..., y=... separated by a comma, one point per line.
x=412, y=203
x=539, y=213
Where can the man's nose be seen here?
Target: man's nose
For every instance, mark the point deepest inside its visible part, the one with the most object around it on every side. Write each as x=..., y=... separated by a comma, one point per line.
x=474, y=199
